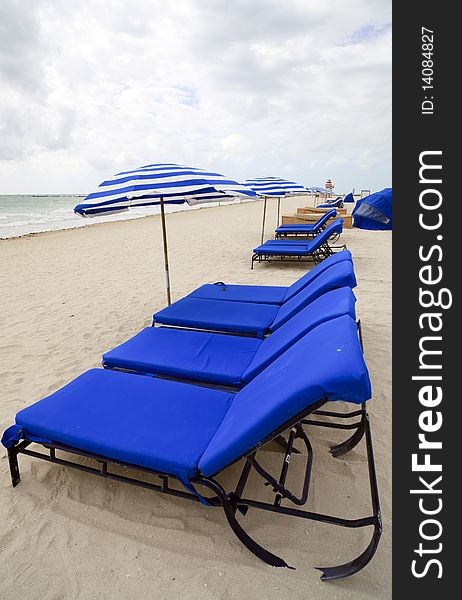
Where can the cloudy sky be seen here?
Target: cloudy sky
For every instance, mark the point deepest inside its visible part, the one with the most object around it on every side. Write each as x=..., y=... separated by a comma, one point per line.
x=296, y=88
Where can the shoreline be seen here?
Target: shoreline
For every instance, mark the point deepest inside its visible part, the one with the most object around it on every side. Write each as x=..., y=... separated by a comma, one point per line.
x=91, y=221
x=33, y=234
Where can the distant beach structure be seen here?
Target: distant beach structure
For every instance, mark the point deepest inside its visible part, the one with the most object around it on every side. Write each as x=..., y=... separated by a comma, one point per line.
x=329, y=185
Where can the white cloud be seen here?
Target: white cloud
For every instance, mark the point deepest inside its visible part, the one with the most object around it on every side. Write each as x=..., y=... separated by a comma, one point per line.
x=300, y=89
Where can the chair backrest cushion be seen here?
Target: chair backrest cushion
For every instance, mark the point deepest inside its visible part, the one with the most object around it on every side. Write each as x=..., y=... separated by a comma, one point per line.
x=338, y=275
x=322, y=238
x=326, y=363
x=330, y=214
x=328, y=306
x=311, y=226
x=317, y=270
x=337, y=202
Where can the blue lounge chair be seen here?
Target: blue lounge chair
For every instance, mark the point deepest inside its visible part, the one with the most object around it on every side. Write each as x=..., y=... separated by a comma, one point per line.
x=247, y=318
x=323, y=219
x=316, y=249
x=305, y=229
x=218, y=358
x=190, y=433
x=266, y=294
x=337, y=203
x=287, y=242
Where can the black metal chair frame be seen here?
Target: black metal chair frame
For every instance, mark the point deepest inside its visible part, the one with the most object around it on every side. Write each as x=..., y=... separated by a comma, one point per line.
x=324, y=251
x=233, y=501
x=318, y=255
x=299, y=234
x=309, y=236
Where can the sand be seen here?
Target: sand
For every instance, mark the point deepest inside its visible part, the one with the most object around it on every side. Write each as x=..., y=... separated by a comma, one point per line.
x=68, y=296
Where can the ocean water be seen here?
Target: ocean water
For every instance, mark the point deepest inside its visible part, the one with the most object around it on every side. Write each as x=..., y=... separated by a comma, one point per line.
x=20, y=215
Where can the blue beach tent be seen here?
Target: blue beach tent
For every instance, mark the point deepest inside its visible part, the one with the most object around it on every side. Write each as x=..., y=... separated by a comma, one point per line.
x=374, y=211
x=349, y=198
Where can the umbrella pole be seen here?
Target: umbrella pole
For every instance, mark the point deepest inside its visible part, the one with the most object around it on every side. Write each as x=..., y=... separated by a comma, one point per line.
x=279, y=211
x=164, y=240
x=263, y=222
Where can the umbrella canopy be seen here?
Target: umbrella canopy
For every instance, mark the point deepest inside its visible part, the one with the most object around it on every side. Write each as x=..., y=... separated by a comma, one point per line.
x=274, y=187
x=320, y=190
x=160, y=184
x=157, y=184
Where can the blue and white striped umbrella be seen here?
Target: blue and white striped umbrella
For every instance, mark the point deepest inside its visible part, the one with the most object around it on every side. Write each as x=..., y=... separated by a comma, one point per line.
x=275, y=187
x=160, y=184
x=320, y=190
x=157, y=184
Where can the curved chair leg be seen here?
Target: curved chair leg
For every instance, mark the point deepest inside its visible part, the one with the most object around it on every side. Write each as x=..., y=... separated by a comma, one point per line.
x=282, y=442
x=335, y=238
x=247, y=541
x=352, y=567
x=350, y=443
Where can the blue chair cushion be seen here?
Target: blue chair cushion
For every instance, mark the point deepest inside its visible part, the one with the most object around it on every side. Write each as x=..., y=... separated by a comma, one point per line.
x=302, y=227
x=234, y=317
x=332, y=204
x=247, y=317
x=261, y=294
x=326, y=363
x=218, y=358
x=266, y=294
x=152, y=423
x=196, y=355
x=300, y=247
x=314, y=272
x=328, y=306
x=283, y=249
x=178, y=428
x=336, y=276
x=286, y=242
x=308, y=226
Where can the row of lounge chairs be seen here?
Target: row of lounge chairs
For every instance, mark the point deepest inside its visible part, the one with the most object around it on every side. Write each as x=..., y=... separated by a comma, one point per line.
x=337, y=203
x=315, y=248
x=222, y=372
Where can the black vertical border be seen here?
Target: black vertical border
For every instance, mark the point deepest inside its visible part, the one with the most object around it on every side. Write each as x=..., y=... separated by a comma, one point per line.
x=412, y=134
